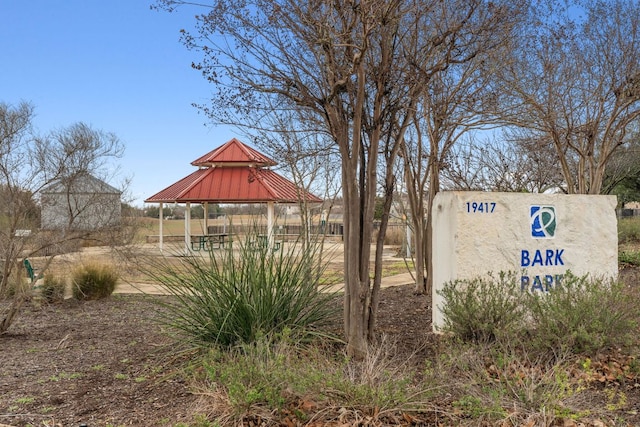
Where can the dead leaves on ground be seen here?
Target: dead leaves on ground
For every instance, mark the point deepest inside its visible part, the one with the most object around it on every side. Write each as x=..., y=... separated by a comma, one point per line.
x=305, y=412
x=610, y=369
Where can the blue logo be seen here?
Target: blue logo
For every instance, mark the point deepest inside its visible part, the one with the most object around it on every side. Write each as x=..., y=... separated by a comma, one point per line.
x=543, y=222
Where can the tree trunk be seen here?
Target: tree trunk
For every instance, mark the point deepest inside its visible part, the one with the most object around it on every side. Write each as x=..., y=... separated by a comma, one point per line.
x=419, y=255
x=14, y=308
x=382, y=231
x=414, y=181
x=434, y=188
x=357, y=241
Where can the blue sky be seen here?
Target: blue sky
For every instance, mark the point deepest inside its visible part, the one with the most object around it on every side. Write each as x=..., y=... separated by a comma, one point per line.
x=118, y=66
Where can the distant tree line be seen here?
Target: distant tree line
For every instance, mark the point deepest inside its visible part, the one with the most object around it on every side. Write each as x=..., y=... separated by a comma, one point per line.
x=177, y=211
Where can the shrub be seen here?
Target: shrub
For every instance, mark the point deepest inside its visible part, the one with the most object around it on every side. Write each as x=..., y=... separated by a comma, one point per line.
x=583, y=315
x=483, y=308
x=629, y=257
x=93, y=281
x=53, y=289
x=236, y=295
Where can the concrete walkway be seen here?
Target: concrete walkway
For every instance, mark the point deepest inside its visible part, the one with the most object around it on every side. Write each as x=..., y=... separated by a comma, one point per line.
x=153, y=289
x=334, y=249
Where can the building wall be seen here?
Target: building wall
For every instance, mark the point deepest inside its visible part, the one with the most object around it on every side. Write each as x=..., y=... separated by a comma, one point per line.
x=84, y=211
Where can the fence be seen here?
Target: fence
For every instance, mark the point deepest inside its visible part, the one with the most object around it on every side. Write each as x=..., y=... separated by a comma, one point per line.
x=396, y=233
x=290, y=230
x=626, y=213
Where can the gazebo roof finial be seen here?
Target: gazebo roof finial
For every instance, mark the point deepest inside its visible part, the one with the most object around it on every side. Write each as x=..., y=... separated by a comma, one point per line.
x=234, y=153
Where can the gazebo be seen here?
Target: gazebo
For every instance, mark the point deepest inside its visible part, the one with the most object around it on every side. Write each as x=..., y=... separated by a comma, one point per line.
x=231, y=173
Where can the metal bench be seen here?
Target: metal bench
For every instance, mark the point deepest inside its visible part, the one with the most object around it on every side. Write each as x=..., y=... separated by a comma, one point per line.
x=31, y=272
x=262, y=243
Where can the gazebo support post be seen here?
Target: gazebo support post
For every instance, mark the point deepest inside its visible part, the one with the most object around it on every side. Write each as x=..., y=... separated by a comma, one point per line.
x=160, y=227
x=206, y=217
x=187, y=228
x=270, y=214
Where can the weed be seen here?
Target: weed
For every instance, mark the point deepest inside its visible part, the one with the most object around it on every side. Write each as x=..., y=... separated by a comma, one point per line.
x=616, y=400
x=201, y=421
x=470, y=405
x=121, y=376
x=629, y=257
x=634, y=366
x=198, y=421
x=65, y=376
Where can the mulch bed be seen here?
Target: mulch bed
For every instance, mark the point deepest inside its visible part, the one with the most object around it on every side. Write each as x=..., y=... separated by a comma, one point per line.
x=106, y=362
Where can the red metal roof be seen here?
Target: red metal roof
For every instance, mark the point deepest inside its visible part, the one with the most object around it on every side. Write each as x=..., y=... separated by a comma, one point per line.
x=233, y=153
x=233, y=185
x=233, y=173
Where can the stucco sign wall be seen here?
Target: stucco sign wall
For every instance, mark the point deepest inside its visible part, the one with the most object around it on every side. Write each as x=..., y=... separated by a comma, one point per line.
x=539, y=236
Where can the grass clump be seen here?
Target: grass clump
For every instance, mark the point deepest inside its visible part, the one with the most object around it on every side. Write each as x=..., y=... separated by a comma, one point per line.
x=629, y=230
x=281, y=376
x=93, y=281
x=53, y=289
x=236, y=295
x=629, y=258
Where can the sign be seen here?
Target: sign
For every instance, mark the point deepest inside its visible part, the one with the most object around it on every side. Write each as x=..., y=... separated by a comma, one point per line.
x=538, y=236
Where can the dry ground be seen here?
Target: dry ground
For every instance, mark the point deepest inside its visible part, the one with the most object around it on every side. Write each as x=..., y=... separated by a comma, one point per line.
x=107, y=363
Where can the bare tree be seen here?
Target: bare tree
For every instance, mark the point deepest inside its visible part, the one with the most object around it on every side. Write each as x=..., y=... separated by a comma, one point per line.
x=622, y=174
x=336, y=61
x=28, y=165
x=452, y=103
x=351, y=66
x=461, y=170
x=309, y=156
x=574, y=83
x=18, y=210
x=500, y=164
